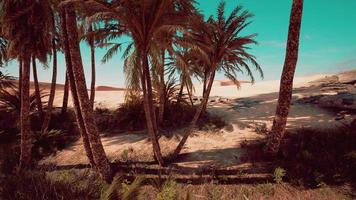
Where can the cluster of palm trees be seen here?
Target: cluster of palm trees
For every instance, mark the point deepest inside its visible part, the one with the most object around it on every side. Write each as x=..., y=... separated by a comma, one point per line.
x=166, y=37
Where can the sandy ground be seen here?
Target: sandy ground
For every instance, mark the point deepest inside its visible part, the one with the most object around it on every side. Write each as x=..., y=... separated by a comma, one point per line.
x=251, y=111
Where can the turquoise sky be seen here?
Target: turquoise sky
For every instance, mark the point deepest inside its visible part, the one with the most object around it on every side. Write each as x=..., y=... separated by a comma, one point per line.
x=327, y=44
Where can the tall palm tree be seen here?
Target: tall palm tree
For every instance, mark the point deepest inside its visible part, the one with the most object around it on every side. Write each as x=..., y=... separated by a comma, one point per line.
x=286, y=85
x=27, y=29
x=73, y=88
x=89, y=38
x=52, y=93
x=65, y=96
x=142, y=21
x=99, y=156
x=219, y=47
x=37, y=89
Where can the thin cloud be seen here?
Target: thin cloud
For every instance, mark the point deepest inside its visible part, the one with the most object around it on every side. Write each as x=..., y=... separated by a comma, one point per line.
x=274, y=43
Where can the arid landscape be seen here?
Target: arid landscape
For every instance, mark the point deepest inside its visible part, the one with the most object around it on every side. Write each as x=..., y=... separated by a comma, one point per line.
x=248, y=113
x=177, y=100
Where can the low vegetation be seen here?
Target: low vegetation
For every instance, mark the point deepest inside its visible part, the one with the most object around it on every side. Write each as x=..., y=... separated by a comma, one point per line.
x=84, y=184
x=130, y=116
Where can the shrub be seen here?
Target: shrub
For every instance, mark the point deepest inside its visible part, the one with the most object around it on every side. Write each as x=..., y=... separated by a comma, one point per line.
x=130, y=116
x=53, y=140
x=120, y=190
x=168, y=191
x=314, y=157
x=36, y=185
x=278, y=175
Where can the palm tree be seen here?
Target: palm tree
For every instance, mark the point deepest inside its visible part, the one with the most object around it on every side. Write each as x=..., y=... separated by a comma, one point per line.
x=52, y=93
x=37, y=89
x=3, y=46
x=99, y=156
x=286, y=85
x=26, y=27
x=142, y=20
x=89, y=38
x=71, y=84
x=65, y=96
x=219, y=47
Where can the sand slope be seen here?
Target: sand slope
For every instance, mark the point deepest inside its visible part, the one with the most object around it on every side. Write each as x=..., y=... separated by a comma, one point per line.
x=247, y=118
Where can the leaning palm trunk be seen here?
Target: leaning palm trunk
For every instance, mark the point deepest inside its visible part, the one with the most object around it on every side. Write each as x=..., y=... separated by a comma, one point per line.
x=149, y=111
x=286, y=85
x=190, y=95
x=162, y=93
x=52, y=93
x=92, y=55
x=26, y=143
x=37, y=89
x=100, y=159
x=73, y=88
x=180, y=94
x=65, y=96
x=198, y=113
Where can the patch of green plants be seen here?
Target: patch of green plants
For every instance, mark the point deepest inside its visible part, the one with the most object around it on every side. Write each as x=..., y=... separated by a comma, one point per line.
x=120, y=189
x=317, y=157
x=168, y=191
x=278, y=175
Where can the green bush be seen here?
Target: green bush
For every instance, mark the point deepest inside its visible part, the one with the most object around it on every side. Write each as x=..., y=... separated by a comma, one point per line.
x=130, y=116
x=313, y=157
x=278, y=175
x=47, y=143
x=37, y=185
x=168, y=191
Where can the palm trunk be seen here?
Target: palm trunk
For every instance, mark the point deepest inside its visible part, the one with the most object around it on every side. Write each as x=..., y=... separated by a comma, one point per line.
x=162, y=99
x=26, y=143
x=92, y=55
x=20, y=76
x=65, y=96
x=180, y=94
x=73, y=88
x=200, y=110
x=100, y=159
x=37, y=89
x=148, y=107
x=190, y=95
x=286, y=85
x=52, y=93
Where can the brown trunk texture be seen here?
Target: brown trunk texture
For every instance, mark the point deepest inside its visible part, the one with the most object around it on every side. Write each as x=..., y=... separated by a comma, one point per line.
x=52, y=93
x=73, y=88
x=162, y=95
x=92, y=87
x=100, y=159
x=149, y=111
x=286, y=84
x=37, y=89
x=200, y=110
x=26, y=143
x=65, y=96
x=20, y=76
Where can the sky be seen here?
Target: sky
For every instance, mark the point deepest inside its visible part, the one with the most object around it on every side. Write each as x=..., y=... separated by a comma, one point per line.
x=327, y=41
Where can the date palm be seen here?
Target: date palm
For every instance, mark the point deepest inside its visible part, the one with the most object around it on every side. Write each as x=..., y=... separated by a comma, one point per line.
x=219, y=46
x=286, y=85
x=142, y=20
x=37, y=89
x=26, y=26
x=47, y=117
x=76, y=69
x=70, y=82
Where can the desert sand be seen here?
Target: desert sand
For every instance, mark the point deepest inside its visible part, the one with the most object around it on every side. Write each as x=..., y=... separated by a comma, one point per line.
x=248, y=115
